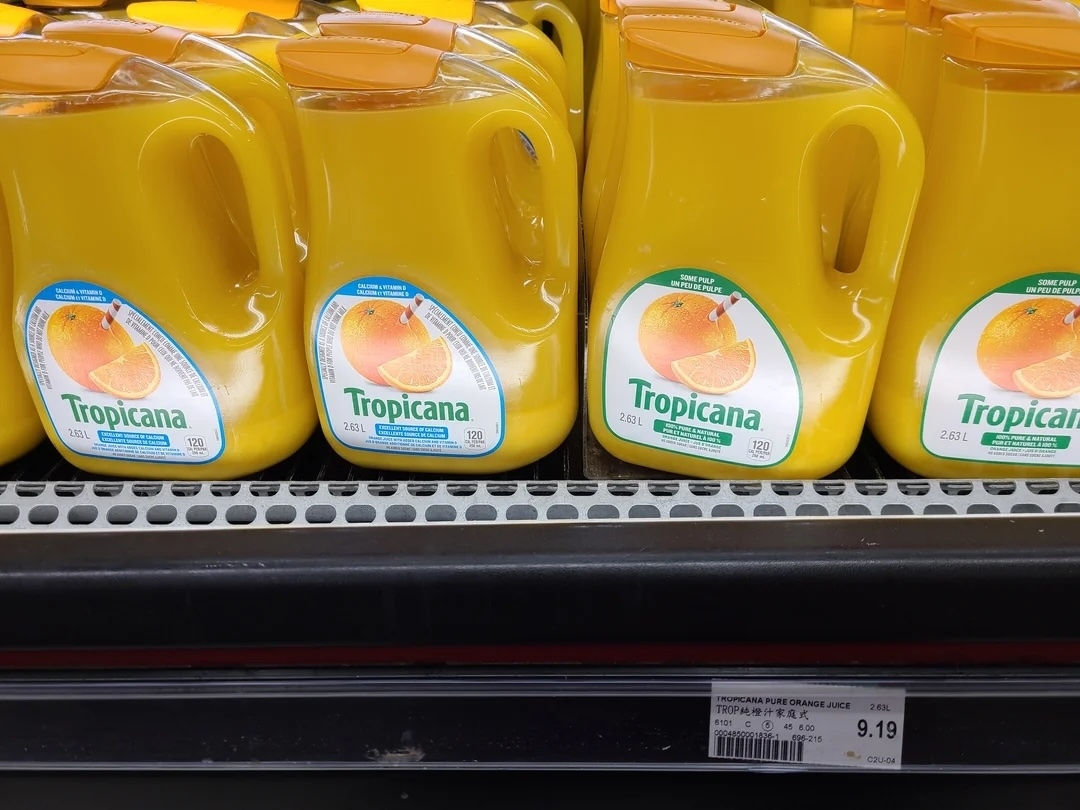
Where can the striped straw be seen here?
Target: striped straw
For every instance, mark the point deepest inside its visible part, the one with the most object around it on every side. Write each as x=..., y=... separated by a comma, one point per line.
x=410, y=310
x=724, y=306
x=110, y=315
x=1072, y=316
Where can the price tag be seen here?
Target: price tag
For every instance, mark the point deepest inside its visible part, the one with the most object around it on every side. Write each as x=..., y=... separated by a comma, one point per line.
x=807, y=724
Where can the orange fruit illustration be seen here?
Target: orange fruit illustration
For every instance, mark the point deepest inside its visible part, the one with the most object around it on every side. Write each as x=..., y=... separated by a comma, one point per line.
x=720, y=371
x=677, y=325
x=133, y=375
x=372, y=334
x=1021, y=335
x=80, y=345
x=1055, y=378
x=421, y=370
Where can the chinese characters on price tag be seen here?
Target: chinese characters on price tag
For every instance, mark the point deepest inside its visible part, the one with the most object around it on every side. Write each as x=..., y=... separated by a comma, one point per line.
x=807, y=724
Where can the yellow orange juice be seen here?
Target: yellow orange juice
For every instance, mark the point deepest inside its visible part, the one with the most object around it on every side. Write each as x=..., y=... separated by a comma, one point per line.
x=82, y=9
x=794, y=11
x=260, y=92
x=155, y=343
x=515, y=32
x=921, y=70
x=830, y=21
x=980, y=374
x=255, y=34
x=20, y=428
x=703, y=360
x=517, y=177
x=441, y=354
x=604, y=162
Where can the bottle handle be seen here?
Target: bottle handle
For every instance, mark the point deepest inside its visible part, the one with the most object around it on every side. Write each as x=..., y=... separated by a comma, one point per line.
x=850, y=299
x=262, y=176
x=573, y=50
x=556, y=162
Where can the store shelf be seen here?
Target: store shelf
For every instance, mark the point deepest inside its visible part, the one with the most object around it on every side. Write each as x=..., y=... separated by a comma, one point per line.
x=955, y=720
x=316, y=553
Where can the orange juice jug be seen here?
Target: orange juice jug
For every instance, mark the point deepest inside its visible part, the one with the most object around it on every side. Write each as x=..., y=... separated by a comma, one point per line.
x=515, y=32
x=300, y=14
x=94, y=9
x=440, y=354
x=149, y=353
x=517, y=176
x=921, y=69
x=17, y=21
x=719, y=341
x=20, y=428
x=257, y=90
x=604, y=163
x=981, y=368
x=255, y=34
x=831, y=21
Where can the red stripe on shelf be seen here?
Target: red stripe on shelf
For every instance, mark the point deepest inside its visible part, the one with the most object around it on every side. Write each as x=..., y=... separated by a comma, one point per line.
x=591, y=655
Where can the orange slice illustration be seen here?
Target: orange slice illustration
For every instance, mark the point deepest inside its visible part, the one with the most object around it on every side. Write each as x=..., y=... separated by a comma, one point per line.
x=133, y=375
x=720, y=371
x=421, y=370
x=1051, y=379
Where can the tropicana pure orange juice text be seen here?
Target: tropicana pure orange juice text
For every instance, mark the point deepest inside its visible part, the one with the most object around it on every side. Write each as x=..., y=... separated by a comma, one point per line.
x=981, y=371
x=155, y=343
x=445, y=353
x=719, y=341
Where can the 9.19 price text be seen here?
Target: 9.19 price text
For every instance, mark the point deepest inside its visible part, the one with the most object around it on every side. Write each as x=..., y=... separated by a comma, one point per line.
x=884, y=729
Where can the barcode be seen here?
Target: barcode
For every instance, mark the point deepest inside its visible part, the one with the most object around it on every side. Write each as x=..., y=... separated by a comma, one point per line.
x=757, y=748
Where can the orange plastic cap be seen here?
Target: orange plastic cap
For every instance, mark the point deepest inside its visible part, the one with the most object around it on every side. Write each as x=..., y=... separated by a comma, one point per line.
x=202, y=18
x=930, y=13
x=624, y=7
x=157, y=42
x=355, y=63
x=725, y=44
x=1014, y=40
x=278, y=9
x=455, y=11
x=427, y=31
x=70, y=4
x=15, y=20
x=34, y=66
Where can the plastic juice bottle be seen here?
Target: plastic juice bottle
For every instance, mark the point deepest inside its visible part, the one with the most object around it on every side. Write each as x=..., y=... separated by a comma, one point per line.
x=94, y=9
x=718, y=338
x=980, y=372
x=602, y=169
x=517, y=175
x=515, y=32
x=17, y=21
x=255, y=34
x=921, y=69
x=830, y=21
x=148, y=351
x=440, y=354
x=300, y=14
x=20, y=428
x=257, y=90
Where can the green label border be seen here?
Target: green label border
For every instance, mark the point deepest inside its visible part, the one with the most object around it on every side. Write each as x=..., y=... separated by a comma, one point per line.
x=1024, y=281
x=732, y=287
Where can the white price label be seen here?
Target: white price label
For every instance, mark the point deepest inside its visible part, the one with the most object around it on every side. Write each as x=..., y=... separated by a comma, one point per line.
x=807, y=724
